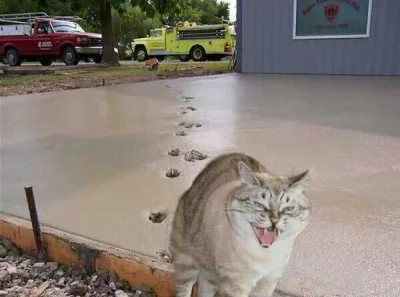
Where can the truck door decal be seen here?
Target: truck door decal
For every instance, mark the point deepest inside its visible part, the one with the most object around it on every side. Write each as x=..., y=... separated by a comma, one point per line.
x=45, y=44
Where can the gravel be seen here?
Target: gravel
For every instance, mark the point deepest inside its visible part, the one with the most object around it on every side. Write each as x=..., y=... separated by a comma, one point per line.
x=21, y=276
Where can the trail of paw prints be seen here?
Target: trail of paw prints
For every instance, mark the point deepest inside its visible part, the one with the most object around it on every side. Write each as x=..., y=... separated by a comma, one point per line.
x=190, y=156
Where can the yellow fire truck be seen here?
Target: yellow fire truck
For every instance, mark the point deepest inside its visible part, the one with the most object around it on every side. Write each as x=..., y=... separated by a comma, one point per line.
x=186, y=41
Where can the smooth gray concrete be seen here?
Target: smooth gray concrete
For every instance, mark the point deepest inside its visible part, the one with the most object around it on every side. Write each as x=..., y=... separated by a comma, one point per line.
x=97, y=159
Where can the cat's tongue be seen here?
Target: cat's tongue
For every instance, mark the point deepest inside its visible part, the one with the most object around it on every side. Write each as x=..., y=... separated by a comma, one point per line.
x=266, y=237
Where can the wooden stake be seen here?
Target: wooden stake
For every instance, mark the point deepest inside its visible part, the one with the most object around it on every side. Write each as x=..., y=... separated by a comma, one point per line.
x=30, y=198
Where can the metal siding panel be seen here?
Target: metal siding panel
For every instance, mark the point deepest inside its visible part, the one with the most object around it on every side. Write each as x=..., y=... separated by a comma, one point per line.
x=251, y=42
x=268, y=46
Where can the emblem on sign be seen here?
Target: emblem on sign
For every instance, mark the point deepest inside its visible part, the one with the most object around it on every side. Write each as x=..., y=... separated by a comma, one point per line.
x=331, y=11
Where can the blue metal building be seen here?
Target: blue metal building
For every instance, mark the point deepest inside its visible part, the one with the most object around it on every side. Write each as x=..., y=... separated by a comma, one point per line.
x=346, y=37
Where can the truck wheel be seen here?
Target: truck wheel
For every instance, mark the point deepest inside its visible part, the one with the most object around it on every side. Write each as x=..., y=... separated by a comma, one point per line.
x=69, y=56
x=184, y=58
x=45, y=62
x=141, y=54
x=198, y=53
x=13, y=57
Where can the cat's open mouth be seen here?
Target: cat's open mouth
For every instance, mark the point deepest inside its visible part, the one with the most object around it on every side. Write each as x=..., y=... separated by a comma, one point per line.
x=265, y=237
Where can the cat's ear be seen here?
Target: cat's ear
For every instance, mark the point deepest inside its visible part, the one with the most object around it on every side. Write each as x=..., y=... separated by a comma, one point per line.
x=300, y=181
x=246, y=176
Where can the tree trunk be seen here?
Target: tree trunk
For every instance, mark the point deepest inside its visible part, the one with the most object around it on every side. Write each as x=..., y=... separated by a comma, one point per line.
x=109, y=56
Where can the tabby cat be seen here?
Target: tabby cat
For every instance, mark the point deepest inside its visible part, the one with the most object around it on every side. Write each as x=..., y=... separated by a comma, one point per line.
x=234, y=228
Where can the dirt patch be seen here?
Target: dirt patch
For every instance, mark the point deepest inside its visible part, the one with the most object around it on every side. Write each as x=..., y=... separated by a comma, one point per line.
x=67, y=81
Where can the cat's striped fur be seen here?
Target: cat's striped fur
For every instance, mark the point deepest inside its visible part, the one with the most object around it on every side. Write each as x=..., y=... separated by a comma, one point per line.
x=220, y=229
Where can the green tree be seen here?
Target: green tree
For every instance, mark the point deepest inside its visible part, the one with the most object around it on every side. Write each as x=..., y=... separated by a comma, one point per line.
x=17, y=6
x=131, y=23
x=205, y=11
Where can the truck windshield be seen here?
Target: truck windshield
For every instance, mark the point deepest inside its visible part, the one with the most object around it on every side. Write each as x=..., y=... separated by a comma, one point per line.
x=67, y=27
x=155, y=33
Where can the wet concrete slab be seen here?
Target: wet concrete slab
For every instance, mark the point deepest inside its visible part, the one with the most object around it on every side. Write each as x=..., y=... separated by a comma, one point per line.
x=97, y=159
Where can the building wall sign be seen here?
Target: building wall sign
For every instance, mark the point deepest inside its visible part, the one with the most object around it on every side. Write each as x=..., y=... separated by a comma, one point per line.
x=322, y=19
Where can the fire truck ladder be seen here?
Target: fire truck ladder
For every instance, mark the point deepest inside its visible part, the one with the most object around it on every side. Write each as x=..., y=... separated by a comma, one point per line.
x=30, y=17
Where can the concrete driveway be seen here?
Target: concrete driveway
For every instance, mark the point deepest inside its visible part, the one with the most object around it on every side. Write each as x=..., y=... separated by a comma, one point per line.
x=97, y=160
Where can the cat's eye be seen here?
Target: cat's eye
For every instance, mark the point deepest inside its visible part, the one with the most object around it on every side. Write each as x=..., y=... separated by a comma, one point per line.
x=263, y=195
x=261, y=206
x=288, y=209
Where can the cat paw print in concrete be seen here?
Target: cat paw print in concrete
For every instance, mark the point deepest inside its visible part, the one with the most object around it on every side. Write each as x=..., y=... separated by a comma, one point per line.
x=157, y=217
x=174, y=152
x=188, y=97
x=172, y=173
x=194, y=155
x=181, y=133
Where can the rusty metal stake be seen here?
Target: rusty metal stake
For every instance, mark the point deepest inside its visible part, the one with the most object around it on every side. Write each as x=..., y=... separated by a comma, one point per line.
x=30, y=198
